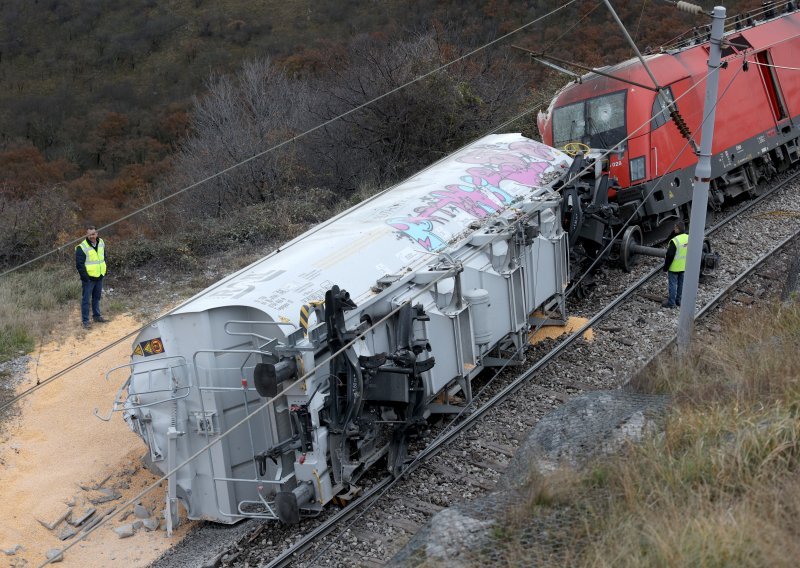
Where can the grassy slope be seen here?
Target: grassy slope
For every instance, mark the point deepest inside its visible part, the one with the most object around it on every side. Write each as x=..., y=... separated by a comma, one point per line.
x=720, y=486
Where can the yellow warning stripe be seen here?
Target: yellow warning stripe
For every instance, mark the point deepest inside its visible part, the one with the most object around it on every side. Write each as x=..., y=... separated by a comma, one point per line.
x=305, y=311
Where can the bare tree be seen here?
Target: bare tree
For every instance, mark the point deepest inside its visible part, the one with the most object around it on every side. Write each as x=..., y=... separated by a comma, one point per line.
x=430, y=109
x=391, y=109
x=31, y=225
x=234, y=126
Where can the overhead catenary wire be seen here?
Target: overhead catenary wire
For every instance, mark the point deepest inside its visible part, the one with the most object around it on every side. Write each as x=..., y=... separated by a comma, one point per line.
x=249, y=417
x=260, y=409
x=477, y=396
x=116, y=342
x=771, y=65
x=639, y=21
x=217, y=174
x=245, y=419
x=296, y=137
x=98, y=352
x=446, y=274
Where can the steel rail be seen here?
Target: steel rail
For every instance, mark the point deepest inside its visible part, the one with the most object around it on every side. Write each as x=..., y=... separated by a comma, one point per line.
x=454, y=430
x=733, y=283
x=305, y=543
x=713, y=302
x=443, y=439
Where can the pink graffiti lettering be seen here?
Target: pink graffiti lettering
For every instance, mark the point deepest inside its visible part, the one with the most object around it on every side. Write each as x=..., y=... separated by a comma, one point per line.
x=481, y=195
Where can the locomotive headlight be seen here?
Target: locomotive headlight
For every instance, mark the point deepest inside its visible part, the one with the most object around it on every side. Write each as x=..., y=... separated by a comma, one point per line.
x=637, y=168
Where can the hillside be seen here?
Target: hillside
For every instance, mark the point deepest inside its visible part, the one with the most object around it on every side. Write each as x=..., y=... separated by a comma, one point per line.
x=96, y=97
x=108, y=106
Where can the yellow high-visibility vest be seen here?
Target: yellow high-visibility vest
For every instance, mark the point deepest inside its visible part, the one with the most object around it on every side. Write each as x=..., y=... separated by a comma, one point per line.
x=681, y=243
x=95, y=259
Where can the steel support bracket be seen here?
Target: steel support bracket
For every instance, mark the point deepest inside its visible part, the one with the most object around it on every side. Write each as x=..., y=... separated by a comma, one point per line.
x=171, y=511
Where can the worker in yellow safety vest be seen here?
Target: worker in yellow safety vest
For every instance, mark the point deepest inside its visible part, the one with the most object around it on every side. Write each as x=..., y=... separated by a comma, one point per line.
x=90, y=261
x=675, y=264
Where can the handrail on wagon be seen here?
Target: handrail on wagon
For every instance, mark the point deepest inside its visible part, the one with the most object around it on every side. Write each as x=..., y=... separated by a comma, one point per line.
x=268, y=340
x=119, y=404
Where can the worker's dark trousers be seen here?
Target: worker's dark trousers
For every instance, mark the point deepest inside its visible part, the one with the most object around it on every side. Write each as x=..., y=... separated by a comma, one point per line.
x=675, y=281
x=92, y=290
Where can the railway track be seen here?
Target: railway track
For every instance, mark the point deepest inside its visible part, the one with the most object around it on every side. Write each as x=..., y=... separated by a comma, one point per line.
x=465, y=460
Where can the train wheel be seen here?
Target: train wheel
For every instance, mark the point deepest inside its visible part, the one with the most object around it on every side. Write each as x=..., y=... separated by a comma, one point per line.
x=631, y=237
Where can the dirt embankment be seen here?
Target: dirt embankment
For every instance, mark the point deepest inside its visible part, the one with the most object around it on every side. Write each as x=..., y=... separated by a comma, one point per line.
x=57, y=455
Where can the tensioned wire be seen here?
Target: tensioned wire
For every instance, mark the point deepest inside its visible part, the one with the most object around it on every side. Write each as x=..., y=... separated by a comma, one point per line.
x=295, y=138
x=450, y=424
x=445, y=274
x=774, y=66
x=730, y=23
x=100, y=351
x=315, y=229
x=510, y=121
x=50, y=379
x=234, y=426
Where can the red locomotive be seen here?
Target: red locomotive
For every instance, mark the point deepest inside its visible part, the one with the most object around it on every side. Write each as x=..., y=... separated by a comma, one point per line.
x=653, y=132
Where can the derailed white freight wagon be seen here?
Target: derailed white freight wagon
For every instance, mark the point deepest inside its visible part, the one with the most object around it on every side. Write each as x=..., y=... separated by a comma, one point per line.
x=340, y=344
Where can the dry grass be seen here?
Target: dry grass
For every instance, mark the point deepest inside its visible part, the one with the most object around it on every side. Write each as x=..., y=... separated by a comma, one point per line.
x=754, y=362
x=32, y=304
x=720, y=486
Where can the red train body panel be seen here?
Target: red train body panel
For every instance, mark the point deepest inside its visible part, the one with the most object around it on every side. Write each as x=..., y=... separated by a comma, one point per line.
x=652, y=163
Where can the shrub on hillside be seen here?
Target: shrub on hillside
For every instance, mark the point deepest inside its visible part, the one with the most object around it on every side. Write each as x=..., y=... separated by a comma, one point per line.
x=31, y=224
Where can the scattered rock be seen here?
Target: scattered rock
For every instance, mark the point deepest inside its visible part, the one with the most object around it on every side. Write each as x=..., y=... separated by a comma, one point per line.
x=52, y=525
x=13, y=550
x=107, y=495
x=125, y=531
x=55, y=555
x=141, y=511
x=103, y=482
x=94, y=486
x=78, y=521
x=137, y=524
x=151, y=524
x=97, y=518
x=67, y=532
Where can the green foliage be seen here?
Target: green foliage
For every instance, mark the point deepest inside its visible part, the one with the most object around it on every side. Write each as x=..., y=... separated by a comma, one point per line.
x=14, y=341
x=32, y=303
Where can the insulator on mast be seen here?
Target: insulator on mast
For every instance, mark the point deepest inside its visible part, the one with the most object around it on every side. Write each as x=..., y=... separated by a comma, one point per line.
x=690, y=8
x=683, y=128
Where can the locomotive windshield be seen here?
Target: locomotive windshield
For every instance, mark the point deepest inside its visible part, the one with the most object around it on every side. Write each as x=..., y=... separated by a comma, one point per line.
x=597, y=122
